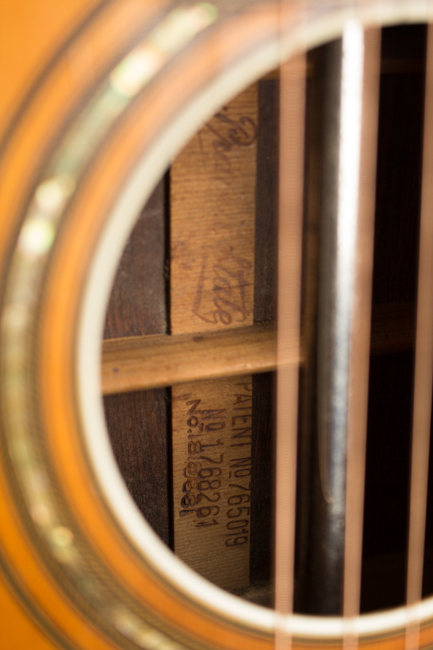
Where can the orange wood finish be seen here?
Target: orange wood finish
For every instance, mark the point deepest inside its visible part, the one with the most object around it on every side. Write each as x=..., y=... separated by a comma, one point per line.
x=29, y=35
x=47, y=615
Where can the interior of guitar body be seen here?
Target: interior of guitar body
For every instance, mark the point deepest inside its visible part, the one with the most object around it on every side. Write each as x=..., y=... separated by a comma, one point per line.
x=200, y=267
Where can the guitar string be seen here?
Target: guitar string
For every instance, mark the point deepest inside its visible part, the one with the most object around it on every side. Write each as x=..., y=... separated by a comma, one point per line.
x=288, y=335
x=291, y=156
x=423, y=381
x=288, y=341
x=360, y=336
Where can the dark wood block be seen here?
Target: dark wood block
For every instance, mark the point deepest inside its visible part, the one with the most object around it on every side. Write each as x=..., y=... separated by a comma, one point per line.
x=265, y=294
x=401, y=108
x=138, y=422
x=137, y=303
x=137, y=427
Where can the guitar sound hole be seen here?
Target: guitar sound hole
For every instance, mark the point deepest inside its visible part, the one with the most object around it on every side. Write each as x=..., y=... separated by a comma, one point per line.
x=140, y=423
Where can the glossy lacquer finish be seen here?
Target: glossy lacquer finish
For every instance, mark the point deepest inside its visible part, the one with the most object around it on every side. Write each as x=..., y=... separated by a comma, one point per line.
x=96, y=102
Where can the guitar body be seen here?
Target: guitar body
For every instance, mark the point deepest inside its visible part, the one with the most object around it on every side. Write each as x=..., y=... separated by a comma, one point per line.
x=97, y=100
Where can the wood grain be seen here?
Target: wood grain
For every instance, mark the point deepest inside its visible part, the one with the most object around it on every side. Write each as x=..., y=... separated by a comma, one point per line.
x=137, y=422
x=212, y=433
x=394, y=284
x=142, y=362
x=392, y=328
x=212, y=288
x=137, y=305
x=265, y=297
x=212, y=222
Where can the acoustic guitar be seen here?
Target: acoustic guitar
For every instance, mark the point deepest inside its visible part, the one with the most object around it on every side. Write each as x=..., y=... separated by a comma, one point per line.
x=216, y=324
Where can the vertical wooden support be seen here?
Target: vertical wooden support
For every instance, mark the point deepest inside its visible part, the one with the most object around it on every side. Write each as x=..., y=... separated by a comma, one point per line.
x=265, y=310
x=212, y=287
